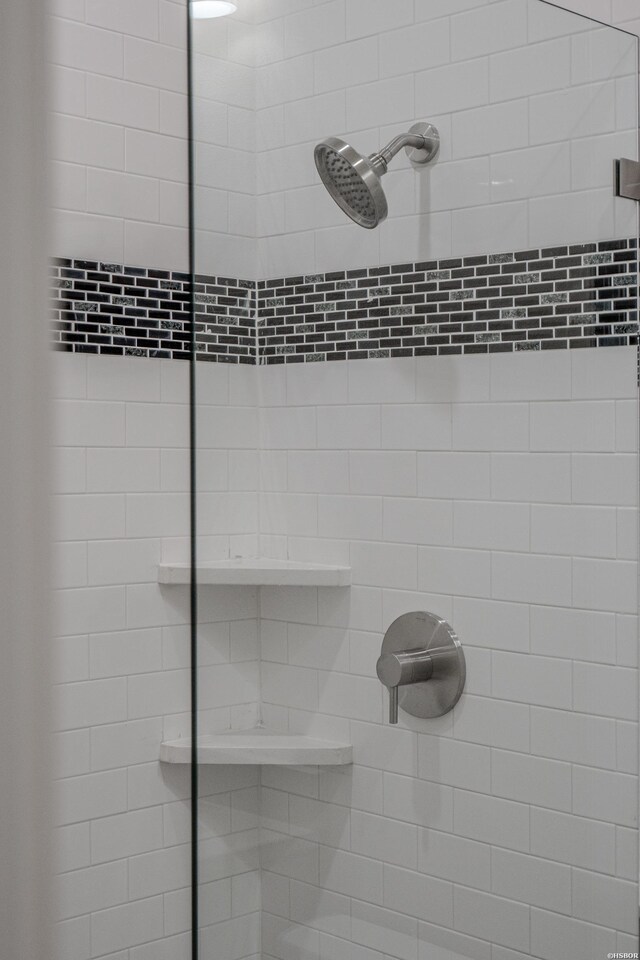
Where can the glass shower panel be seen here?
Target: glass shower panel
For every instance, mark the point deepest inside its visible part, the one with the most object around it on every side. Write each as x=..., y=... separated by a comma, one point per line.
x=441, y=412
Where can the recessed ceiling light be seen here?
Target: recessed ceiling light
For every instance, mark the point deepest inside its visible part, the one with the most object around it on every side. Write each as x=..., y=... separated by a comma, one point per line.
x=206, y=9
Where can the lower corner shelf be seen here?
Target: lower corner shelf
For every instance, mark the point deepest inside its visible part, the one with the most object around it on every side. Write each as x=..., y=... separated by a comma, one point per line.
x=259, y=747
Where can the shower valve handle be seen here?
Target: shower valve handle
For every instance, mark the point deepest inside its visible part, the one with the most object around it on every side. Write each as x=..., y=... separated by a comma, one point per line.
x=422, y=666
x=400, y=669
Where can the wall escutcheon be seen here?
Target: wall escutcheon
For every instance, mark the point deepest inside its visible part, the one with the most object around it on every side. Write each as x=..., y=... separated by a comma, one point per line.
x=423, y=666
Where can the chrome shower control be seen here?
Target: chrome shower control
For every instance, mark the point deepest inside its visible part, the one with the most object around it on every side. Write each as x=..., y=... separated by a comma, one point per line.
x=422, y=664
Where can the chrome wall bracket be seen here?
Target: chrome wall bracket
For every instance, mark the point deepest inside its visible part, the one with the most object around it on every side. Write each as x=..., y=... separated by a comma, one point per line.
x=627, y=178
x=423, y=666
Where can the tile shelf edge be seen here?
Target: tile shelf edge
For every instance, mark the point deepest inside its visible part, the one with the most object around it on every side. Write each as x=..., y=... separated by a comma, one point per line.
x=259, y=747
x=256, y=572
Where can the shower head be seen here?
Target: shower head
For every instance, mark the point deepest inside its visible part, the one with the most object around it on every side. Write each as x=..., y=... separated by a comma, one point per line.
x=354, y=181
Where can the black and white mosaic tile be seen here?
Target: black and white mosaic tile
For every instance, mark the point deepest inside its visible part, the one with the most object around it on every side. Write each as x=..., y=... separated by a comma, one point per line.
x=555, y=298
x=549, y=299
x=110, y=308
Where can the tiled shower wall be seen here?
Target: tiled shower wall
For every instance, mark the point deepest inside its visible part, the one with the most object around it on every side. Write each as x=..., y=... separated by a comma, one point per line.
x=500, y=493
x=123, y=653
x=120, y=179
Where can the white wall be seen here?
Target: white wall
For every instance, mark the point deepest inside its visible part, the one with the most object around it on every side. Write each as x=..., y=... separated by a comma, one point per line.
x=501, y=494
x=532, y=104
x=118, y=131
x=282, y=75
x=122, y=654
x=25, y=653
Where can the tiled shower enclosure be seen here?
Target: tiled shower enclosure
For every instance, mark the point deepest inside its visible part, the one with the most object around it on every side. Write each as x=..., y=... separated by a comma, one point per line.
x=444, y=408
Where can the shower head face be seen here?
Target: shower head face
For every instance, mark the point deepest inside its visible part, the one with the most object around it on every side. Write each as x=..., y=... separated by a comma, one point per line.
x=352, y=181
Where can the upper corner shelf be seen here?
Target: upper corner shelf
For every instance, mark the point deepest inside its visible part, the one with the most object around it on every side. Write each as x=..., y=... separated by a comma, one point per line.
x=257, y=572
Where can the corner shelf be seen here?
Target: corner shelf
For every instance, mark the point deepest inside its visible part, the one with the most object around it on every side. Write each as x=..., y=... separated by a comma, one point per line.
x=259, y=572
x=259, y=747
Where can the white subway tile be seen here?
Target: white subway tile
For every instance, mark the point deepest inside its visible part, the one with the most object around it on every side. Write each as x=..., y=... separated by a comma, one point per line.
x=627, y=747
x=290, y=686
x=383, y=473
x=611, y=376
x=80, y=610
x=551, y=932
x=126, y=926
x=469, y=227
x=321, y=472
x=491, y=820
x=493, y=918
x=531, y=579
x=604, y=900
x=71, y=847
x=418, y=802
x=384, y=930
x=531, y=880
x=603, y=795
x=90, y=797
x=516, y=72
x=384, y=748
x=125, y=835
x=72, y=751
x=492, y=722
x=541, y=477
x=290, y=79
x=420, y=896
x=407, y=50
x=573, y=840
x=141, y=20
x=418, y=426
x=155, y=155
x=345, y=695
x=491, y=426
x=574, y=634
x=352, y=427
x=454, y=571
x=460, y=476
x=314, y=29
x=418, y=521
x=498, y=526
x=575, y=737
x=318, y=821
x=605, y=478
x=453, y=87
x=459, y=764
x=384, y=565
x=359, y=787
x=605, y=585
x=576, y=426
x=351, y=875
x=83, y=891
x=605, y=691
x=384, y=101
x=451, y=379
x=533, y=376
x=531, y=172
x=531, y=679
x=366, y=17
x=384, y=381
x=545, y=783
x=573, y=530
x=85, y=47
x=490, y=129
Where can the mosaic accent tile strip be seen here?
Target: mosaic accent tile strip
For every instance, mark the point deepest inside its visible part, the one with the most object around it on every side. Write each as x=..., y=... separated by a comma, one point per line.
x=111, y=308
x=555, y=298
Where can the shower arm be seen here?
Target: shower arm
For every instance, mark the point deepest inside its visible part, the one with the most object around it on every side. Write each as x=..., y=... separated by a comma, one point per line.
x=423, y=148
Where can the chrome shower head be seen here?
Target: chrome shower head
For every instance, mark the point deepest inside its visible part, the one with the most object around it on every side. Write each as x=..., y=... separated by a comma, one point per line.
x=354, y=181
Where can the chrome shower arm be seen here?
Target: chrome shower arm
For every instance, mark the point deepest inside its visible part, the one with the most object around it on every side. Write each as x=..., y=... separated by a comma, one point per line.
x=402, y=140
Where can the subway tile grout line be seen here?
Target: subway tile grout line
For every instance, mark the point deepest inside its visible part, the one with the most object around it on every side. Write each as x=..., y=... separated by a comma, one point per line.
x=554, y=298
